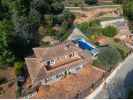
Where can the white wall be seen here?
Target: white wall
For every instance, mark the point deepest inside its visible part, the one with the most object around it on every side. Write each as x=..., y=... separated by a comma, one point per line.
x=111, y=22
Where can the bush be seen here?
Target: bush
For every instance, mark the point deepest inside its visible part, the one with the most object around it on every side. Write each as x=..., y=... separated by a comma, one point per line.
x=123, y=51
x=92, y=37
x=57, y=19
x=94, y=23
x=92, y=26
x=6, y=55
x=3, y=80
x=128, y=10
x=68, y=17
x=7, y=58
x=19, y=67
x=74, y=3
x=120, y=47
x=91, y=2
x=109, y=31
x=57, y=7
x=118, y=1
x=83, y=26
x=18, y=92
x=64, y=36
x=107, y=58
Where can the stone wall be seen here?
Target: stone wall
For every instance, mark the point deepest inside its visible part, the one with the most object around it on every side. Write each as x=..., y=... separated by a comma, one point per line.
x=91, y=13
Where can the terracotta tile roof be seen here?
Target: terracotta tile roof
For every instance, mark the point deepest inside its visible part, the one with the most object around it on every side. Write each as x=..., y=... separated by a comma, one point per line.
x=63, y=67
x=72, y=85
x=39, y=51
x=34, y=67
x=38, y=68
x=101, y=40
x=57, y=50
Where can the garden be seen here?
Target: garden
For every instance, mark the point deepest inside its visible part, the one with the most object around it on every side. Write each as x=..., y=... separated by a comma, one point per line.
x=110, y=54
x=56, y=27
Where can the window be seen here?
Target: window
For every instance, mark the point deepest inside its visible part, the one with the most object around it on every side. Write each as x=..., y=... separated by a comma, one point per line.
x=76, y=54
x=59, y=75
x=71, y=55
x=50, y=62
x=66, y=56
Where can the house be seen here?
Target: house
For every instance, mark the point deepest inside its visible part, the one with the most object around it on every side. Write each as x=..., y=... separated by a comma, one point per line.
x=53, y=63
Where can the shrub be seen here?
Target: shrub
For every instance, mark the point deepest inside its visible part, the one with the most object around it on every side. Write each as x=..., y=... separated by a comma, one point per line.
x=118, y=1
x=18, y=92
x=6, y=55
x=57, y=7
x=128, y=9
x=19, y=67
x=68, y=16
x=121, y=48
x=109, y=31
x=94, y=23
x=3, y=80
x=92, y=37
x=107, y=58
x=57, y=19
x=92, y=26
x=91, y=2
x=83, y=26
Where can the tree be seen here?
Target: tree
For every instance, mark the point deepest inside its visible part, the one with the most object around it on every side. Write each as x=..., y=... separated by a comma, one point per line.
x=109, y=31
x=4, y=11
x=128, y=10
x=26, y=17
x=83, y=26
x=19, y=68
x=6, y=55
x=57, y=8
x=25, y=37
x=118, y=1
x=48, y=6
x=107, y=58
x=26, y=24
x=68, y=17
x=91, y=2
